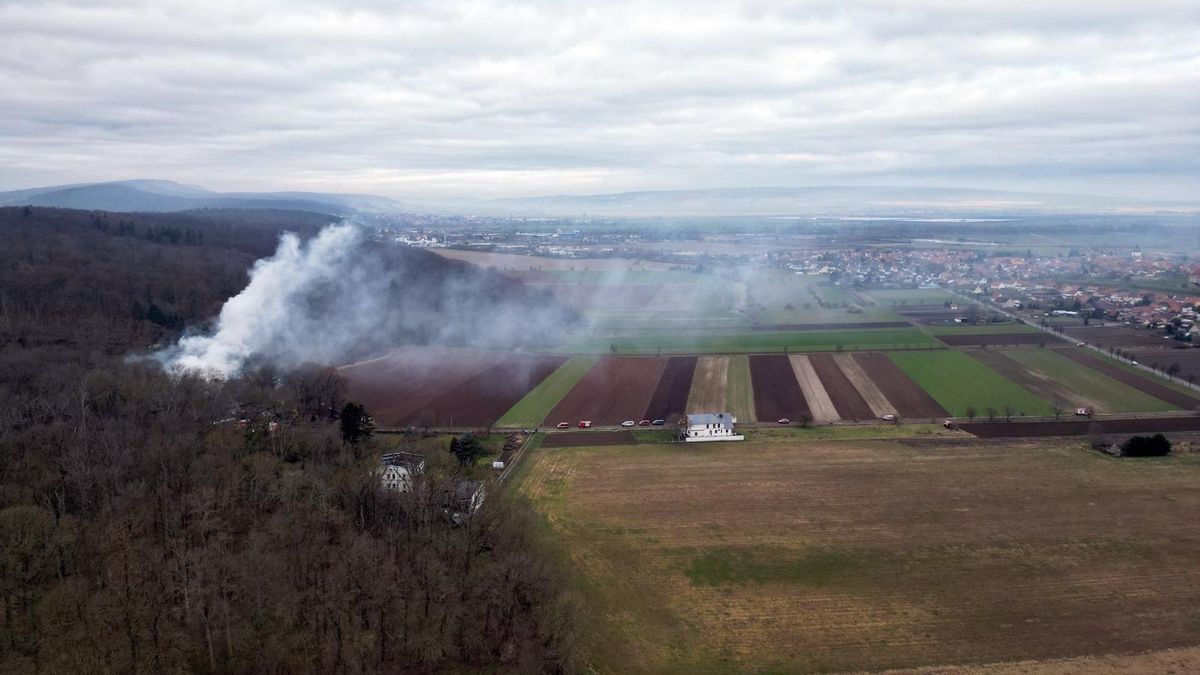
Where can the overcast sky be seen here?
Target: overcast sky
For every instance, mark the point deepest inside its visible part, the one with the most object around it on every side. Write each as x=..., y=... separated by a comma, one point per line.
x=499, y=98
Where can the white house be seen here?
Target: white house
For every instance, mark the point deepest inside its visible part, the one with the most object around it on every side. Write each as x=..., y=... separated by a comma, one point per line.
x=398, y=470
x=709, y=427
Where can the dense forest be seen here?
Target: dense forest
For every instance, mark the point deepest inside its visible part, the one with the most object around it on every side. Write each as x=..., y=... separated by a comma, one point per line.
x=162, y=523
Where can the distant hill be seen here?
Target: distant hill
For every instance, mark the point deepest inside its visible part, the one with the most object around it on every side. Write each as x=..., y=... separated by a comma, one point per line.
x=161, y=196
x=822, y=201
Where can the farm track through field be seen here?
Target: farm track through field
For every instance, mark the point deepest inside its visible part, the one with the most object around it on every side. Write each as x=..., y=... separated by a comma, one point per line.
x=671, y=395
x=814, y=392
x=1082, y=427
x=708, y=385
x=614, y=390
x=776, y=392
x=849, y=404
x=1142, y=383
x=1037, y=382
x=906, y=396
x=847, y=325
x=998, y=339
x=870, y=392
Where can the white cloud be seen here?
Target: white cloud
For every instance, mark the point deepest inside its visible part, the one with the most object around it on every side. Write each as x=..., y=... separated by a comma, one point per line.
x=446, y=98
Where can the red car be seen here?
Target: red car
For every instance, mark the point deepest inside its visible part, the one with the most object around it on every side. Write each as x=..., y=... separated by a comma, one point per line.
x=585, y=424
x=644, y=423
x=563, y=425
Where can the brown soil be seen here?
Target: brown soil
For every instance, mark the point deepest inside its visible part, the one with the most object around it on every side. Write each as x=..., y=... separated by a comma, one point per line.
x=1123, y=337
x=484, y=398
x=1139, y=382
x=874, y=398
x=614, y=390
x=906, y=396
x=776, y=392
x=671, y=395
x=849, y=403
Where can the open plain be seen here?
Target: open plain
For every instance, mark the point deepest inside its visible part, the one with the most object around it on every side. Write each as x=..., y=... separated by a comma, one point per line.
x=871, y=555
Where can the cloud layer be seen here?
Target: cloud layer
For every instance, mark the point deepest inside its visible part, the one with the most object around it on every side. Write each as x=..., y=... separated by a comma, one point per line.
x=445, y=98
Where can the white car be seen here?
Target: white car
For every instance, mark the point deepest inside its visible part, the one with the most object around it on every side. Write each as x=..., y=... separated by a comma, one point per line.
x=628, y=423
x=889, y=417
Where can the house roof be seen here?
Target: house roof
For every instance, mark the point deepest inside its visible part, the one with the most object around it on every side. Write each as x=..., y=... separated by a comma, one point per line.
x=724, y=419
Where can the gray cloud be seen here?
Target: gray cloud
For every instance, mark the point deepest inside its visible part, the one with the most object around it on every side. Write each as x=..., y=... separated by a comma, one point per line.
x=486, y=98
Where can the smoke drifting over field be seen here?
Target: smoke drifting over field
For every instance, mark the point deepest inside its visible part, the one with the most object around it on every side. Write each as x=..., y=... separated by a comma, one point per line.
x=341, y=296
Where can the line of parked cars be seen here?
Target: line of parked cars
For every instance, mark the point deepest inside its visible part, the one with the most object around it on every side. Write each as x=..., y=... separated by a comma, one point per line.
x=587, y=424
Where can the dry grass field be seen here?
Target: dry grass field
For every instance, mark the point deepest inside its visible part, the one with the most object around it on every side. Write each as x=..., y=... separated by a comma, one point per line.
x=831, y=556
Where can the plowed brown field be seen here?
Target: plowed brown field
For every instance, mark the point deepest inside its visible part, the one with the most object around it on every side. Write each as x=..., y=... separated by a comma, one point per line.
x=849, y=403
x=875, y=398
x=909, y=399
x=776, y=392
x=444, y=387
x=671, y=395
x=614, y=390
x=998, y=339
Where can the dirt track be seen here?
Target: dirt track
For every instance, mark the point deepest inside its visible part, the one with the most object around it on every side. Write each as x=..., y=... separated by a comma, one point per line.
x=998, y=339
x=577, y=439
x=1081, y=427
x=1045, y=387
x=814, y=392
x=708, y=385
x=849, y=403
x=1140, y=382
x=614, y=390
x=909, y=399
x=776, y=392
x=848, y=325
x=871, y=394
x=671, y=395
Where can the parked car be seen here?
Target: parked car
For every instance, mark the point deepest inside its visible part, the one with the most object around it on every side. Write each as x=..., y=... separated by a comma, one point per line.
x=585, y=424
x=564, y=425
x=889, y=417
x=1083, y=412
x=659, y=423
x=627, y=423
x=644, y=423
x=784, y=420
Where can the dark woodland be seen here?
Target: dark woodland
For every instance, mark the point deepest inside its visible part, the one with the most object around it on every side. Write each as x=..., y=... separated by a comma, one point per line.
x=156, y=523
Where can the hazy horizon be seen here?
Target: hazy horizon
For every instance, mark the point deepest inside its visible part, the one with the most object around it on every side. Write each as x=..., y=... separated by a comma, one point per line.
x=492, y=99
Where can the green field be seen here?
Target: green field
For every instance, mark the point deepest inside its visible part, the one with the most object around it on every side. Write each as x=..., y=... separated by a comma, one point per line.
x=1107, y=393
x=739, y=394
x=533, y=408
x=803, y=341
x=817, y=314
x=985, y=329
x=911, y=296
x=957, y=382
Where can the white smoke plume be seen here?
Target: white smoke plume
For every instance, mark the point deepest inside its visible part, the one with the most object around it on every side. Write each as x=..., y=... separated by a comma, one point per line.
x=340, y=296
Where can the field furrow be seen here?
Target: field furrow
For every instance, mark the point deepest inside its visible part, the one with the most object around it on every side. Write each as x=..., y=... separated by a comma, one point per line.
x=814, y=392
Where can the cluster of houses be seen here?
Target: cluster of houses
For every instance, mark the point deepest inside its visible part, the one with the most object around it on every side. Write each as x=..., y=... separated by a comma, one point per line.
x=401, y=472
